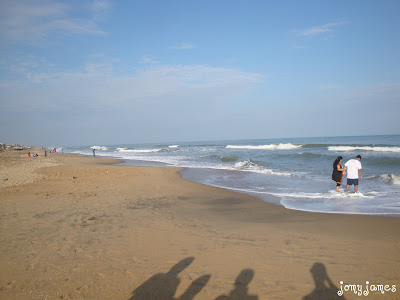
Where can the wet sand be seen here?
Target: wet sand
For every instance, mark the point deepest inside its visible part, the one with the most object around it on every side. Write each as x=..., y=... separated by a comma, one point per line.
x=80, y=227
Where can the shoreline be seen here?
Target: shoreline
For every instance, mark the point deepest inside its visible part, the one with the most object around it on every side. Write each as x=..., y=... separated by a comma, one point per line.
x=297, y=170
x=88, y=228
x=137, y=163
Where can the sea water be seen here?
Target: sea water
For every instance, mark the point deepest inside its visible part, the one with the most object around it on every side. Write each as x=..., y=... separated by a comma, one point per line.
x=293, y=172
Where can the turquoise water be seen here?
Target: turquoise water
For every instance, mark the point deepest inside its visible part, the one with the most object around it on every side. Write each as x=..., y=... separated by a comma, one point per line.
x=295, y=173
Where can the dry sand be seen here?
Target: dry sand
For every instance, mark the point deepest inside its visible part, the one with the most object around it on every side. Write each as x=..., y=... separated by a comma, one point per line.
x=74, y=227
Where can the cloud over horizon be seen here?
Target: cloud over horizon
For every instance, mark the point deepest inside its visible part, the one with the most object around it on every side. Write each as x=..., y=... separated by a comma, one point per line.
x=97, y=84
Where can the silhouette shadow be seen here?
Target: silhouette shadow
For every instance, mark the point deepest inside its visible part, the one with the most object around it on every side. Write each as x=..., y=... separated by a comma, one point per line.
x=195, y=287
x=164, y=285
x=324, y=287
x=240, y=292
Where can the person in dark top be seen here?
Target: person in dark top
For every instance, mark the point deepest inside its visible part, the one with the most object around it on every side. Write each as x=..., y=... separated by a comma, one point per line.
x=338, y=172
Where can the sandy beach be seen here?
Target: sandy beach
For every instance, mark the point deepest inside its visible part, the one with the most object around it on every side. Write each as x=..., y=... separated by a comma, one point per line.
x=76, y=227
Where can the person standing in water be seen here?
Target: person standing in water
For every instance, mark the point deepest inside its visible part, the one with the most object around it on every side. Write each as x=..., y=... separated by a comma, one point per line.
x=338, y=172
x=353, y=172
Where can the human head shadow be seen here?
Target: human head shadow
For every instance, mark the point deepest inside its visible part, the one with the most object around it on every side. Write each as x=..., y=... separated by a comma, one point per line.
x=324, y=287
x=240, y=290
x=195, y=287
x=164, y=285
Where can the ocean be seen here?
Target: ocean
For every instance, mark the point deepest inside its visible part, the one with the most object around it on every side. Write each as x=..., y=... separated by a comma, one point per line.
x=293, y=172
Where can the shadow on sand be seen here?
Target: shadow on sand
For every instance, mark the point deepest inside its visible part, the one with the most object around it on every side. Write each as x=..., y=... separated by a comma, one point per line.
x=324, y=287
x=163, y=286
x=240, y=290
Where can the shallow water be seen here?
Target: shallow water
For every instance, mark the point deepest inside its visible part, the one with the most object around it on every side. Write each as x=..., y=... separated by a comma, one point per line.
x=295, y=173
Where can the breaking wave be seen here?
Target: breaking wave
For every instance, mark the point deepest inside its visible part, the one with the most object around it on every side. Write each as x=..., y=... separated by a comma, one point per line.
x=248, y=165
x=137, y=150
x=99, y=148
x=265, y=147
x=364, y=148
x=391, y=178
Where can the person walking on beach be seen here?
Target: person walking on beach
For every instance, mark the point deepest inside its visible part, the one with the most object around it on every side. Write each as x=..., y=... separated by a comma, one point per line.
x=94, y=152
x=353, y=171
x=338, y=172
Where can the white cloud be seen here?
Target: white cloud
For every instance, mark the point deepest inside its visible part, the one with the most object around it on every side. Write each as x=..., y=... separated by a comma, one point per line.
x=31, y=22
x=182, y=46
x=320, y=29
x=97, y=85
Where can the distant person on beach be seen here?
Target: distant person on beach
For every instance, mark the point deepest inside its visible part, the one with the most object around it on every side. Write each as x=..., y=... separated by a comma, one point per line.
x=353, y=172
x=338, y=172
x=94, y=152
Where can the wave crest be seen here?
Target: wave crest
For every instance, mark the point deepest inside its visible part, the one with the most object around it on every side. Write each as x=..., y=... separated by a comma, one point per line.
x=391, y=178
x=99, y=148
x=395, y=179
x=248, y=165
x=137, y=150
x=265, y=147
x=364, y=148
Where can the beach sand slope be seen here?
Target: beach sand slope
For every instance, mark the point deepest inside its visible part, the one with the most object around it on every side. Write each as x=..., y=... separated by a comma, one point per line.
x=82, y=228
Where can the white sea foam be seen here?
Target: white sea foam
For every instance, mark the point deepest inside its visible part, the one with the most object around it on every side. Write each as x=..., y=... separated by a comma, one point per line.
x=99, y=148
x=328, y=195
x=364, y=148
x=391, y=178
x=248, y=165
x=395, y=179
x=173, y=146
x=137, y=150
x=266, y=147
x=208, y=149
x=272, y=172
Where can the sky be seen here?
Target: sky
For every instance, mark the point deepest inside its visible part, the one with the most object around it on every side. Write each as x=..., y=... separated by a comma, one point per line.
x=110, y=72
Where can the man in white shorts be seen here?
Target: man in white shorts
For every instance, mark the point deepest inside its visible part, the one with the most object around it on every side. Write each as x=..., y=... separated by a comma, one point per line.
x=353, y=170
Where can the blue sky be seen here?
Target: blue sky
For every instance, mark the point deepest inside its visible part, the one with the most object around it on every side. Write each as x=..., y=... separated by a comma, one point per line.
x=109, y=72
